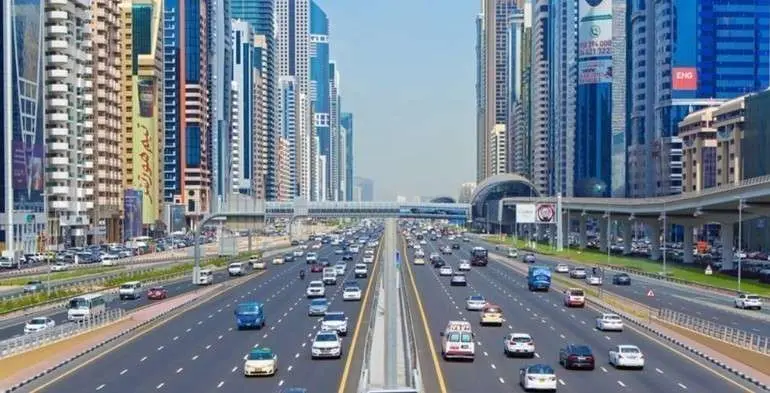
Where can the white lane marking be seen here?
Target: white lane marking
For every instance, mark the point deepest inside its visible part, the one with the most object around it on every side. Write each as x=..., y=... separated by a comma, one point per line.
x=143, y=359
x=562, y=337
x=160, y=385
x=194, y=357
x=485, y=353
x=175, y=338
x=493, y=366
x=537, y=355
x=659, y=371
x=296, y=355
x=179, y=370
x=303, y=345
x=621, y=383
x=607, y=337
x=682, y=386
x=219, y=385
x=100, y=387
x=561, y=382
x=160, y=348
x=234, y=369
x=280, y=383
x=220, y=337
x=188, y=330
x=501, y=380
x=208, y=346
x=603, y=369
x=125, y=370
x=200, y=322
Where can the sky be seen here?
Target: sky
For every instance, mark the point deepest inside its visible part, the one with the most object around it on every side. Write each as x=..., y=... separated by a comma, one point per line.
x=407, y=73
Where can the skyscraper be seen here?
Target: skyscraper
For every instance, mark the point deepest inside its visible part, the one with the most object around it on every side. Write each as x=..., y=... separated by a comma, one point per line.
x=260, y=15
x=220, y=76
x=367, y=188
x=23, y=141
x=518, y=50
x=701, y=52
x=108, y=184
x=141, y=24
x=466, y=192
x=69, y=128
x=319, y=90
x=186, y=151
x=287, y=124
x=293, y=42
x=540, y=104
x=334, y=133
x=346, y=124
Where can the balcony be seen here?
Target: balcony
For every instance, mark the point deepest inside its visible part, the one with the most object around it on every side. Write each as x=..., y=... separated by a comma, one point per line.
x=58, y=59
x=88, y=151
x=57, y=74
x=58, y=103
x=88, y=178
x=59, y=190
x=57, y=30
x=59, y=205
x=58, y=131
x=57, y=88
x=59, y=175
x=58, y=146
x=59, y=160
x=88, y=165
x=58, y=15
x=89, y=138
x=57, y=44
x=54, y=117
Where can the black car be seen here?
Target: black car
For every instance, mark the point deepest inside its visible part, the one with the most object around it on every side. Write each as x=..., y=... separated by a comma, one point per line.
x=288, y=257
x=438, y=263
x=621, y=279
x=294, y=243
x=347, y=256
x=455, y=246
x=577, y=356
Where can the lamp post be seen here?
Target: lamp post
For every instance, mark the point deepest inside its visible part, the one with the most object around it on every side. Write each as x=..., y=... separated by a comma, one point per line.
x=663, y=218
x=741, y=206
x=608, y=215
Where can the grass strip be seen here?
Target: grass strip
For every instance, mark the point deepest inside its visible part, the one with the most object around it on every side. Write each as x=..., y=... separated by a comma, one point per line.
x=16, y=281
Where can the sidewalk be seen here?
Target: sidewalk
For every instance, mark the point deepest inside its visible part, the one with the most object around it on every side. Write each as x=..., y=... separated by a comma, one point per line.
x=32, y=364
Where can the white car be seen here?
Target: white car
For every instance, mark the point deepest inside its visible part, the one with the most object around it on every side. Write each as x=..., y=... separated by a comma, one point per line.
x=561, y=268
x=315, y=289
x=326, y=344
x=354, y=249
x=609, y=322
x=594, y=280
x=311, y=257
x=519, y=344
x=259, y=265
x=298, y=253
x=351, y=293
x=368, y=259
x=360, y=270
x=423, y=241
x=60, y=267
x=335, y=321
x=464, y=266
x=626, y=356
x=277, y=261
x=537, y=377
x=419, y=254
x=419, y=261
x=475, y=303
x=445, y=271
x=38, y=325
x=577, y=272
x=745, y=300
x=340, y=268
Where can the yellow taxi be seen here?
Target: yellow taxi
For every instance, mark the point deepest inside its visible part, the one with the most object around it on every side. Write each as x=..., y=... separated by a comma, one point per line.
x=260, y=361
x=419, y=261
x=492, y=315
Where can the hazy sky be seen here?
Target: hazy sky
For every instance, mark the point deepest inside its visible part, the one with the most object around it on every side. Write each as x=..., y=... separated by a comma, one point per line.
x=407, y=73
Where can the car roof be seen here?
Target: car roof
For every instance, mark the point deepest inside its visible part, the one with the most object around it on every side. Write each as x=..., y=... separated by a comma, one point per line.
x=261, y=350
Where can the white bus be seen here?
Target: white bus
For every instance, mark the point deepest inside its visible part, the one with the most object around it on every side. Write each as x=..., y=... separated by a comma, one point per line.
x=206, y=277
x=86, y=306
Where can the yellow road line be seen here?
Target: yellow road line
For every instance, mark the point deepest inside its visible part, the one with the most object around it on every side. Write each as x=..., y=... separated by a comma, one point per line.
x=148, y=329
x=424, y=318
x=351, y=351
x=664, y=344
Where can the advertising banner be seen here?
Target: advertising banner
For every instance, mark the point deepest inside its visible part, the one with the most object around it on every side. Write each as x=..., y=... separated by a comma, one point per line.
x=145, y=145
x=132, y=213
x=684, y=78
x=594, y=41
x=177, y=222
x=545, y=213
x=525, y=213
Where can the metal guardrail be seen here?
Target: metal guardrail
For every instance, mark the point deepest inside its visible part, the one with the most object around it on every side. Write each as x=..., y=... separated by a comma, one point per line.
x=408, y=327
x=730, y=335
x=363, y=381
x=30, y=341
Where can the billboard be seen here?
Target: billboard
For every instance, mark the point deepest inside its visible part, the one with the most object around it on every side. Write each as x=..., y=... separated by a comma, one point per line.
x=684, y=78
x=594, y=41
x=132, y=213
x=177, y=222
x=540, y=213
x=145, y=145
x=525, y=213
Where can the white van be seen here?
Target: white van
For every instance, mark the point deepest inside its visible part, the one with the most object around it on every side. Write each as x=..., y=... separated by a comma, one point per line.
x=330, y=276
x=130, y=290
x=86, y=306
x=236, y=269
x=457, y=341
x=206, y=277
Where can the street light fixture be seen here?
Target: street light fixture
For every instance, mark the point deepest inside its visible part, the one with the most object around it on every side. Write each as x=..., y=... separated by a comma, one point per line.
x=664, y=248
x=608, y=216
x=741, y=206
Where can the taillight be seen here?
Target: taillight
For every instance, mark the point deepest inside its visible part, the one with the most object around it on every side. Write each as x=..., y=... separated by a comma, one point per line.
x=572, y=357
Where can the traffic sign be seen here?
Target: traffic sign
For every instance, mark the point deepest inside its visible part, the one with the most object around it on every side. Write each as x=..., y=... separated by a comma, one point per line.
x=398, y=260
x=708, y=271
x=650, y=293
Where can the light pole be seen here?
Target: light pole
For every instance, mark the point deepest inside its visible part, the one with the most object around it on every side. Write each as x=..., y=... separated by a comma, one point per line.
x=608, y=216
x=741, y=206
x=664, y=248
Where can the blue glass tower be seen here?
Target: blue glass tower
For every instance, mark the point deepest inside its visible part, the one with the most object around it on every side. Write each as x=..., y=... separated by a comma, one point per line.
x=220, y=75
x=319, y=87
x=260, y=15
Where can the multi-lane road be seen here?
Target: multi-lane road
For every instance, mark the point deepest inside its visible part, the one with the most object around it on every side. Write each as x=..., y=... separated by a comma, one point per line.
x=552, y=326
x=201, y=350
x=697, y=302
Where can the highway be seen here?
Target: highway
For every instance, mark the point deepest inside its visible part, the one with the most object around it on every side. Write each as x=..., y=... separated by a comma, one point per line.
x=693, y=301
x=552, y=326
x=202, y=350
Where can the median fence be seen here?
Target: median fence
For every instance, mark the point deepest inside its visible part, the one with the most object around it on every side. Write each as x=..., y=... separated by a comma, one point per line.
x=33, y=340
x=730, y=335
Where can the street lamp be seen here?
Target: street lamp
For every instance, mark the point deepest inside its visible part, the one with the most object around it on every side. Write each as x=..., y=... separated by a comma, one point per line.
x=663, y=218
x=741, y=206
x=608, y=216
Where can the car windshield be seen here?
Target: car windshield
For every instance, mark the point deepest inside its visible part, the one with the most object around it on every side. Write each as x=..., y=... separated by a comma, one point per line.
x=752, y=297
x=247, y=309
x=352, y=289
x=477, y=298
x=260, y=355
x=540, y=369
x=493, y=310
x=316, y=284
x=38, y=321
x=126, y=286
x=629, y=350
x=521, y=339
x=334, y=317
x=576, y=293
x=581, y=350
x=78, y=303
x=326, y=337
x=580, y=269
x=611, y=317
x=318, y=302
x=156, y=289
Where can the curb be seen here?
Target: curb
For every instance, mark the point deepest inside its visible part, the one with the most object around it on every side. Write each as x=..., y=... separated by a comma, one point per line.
x=105, y=342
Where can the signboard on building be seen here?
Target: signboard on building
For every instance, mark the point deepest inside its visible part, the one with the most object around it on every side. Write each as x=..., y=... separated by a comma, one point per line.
x=594, y=41
x=145, y=145
x=176, y=222
x=132, y=208
x=545, y=213
x=684, y=78
x=525, y=213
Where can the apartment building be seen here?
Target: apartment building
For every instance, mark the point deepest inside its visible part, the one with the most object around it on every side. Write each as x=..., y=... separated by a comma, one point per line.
x=498, y=150
x=729, y=120
x=699, y=149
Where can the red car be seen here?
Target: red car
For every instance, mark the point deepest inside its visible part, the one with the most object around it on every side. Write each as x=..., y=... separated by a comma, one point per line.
x=316, y=268
x=157, y=293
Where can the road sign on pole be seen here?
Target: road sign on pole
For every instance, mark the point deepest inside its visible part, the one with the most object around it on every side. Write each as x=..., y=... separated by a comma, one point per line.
x=650, y=293
x=398, y=260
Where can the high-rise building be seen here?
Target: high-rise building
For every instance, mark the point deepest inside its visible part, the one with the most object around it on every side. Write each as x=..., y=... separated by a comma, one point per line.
x=346, y=124
x=260, y=15
x=319, y=89
x=342, y=161
x=284, y=172
x=186, y=152
x=334, y=132
x=143, y=113
x=620, y=120
x=492, y=40
x=315, y=171
x=293, y=59
x=236, y=124
x=699, y=150
x=680, y=67
x=220, y=76
x=466, y=192
x=519, y=46
x=367, y=188
x=540, y=100
x=108, y=183
x=22, y=167
x=287, y=124
x=323, y=163
x=498, y=149
x=69, y=125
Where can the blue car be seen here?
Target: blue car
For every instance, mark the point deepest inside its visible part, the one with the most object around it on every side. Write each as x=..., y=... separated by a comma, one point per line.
x=249, y=315
x=318, y=307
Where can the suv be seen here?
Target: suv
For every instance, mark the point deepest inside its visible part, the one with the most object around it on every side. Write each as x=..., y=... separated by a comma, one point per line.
x=130, y=290
x=311, y=257
x=315, y=289
x=745, y=300
x=34, y=286
x=236, y=269
x=360, y=270
x=326, y=345
x=335, y=321
x=577, y=356
x=574, y=297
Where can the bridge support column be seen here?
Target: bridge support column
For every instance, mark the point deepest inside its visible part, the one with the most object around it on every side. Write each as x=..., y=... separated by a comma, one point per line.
x=687, y=244
x=604, y=235
x=628, y=235
x=582, y=232
x=565, y=226
x=728, y=256
x=653, y=228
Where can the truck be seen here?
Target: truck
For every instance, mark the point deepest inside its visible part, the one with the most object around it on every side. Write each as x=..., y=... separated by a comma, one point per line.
x=539, y=278
x=329, y=276
x=249, y=315
x=479, y=256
